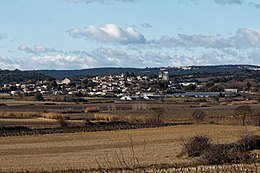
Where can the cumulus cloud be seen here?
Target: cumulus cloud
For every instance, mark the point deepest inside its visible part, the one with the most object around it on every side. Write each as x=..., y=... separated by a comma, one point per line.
x=37, y=49
x=109, y=33
x=98, y=1
x=25, y=48
x=9, y=63
x=108, y=57
x=248, y=37
x=254, y=57
x=224, y=2
x=146, y=25
x=244, y=38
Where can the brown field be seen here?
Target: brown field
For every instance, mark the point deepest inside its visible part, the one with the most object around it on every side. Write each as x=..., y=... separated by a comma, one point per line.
x=175, y=109
x=91, y=150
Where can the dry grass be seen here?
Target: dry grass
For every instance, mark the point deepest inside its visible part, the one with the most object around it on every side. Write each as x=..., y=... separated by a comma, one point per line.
x=244, y=102
x=51, y=115
x=19, y=115
x=81, y=150
x=92, y=109
x=28, y=115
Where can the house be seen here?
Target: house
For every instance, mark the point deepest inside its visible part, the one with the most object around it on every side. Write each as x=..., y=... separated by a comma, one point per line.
x=71, y=81
x=188, y=83
x=128, y=98
x=235, y=91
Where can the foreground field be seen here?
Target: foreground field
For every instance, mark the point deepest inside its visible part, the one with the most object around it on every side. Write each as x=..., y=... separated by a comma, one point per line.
x=108, y=149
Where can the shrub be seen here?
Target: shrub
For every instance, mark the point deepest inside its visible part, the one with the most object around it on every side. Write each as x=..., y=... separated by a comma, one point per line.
x=243, y=111
x=39, y=96
x=63, y=121
x=200, y=146
x=249, y=142
x=224, y=153
x=196, y=145
x=198, y=116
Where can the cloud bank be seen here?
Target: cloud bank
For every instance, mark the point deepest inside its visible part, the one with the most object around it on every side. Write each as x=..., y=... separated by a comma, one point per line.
x=109, y=33
x=244, y=38
x=198, y=49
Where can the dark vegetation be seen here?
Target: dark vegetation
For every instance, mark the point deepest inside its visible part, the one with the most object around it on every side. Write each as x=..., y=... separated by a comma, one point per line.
x=239, y=72
x=243, y=112
x=88, y=127
x=17, y=76
x=206, y=152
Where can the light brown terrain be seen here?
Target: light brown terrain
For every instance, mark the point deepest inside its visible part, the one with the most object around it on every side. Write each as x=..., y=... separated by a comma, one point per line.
x=94, y=149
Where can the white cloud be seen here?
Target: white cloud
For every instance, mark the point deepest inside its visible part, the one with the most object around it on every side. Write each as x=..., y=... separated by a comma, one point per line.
x=109, y=33
x=99, y=1
x=25, y=48
x=108, y=57
x=248, y=37
x=38, y=49
x=9, y=63
x=254, y=57
x=224, y=2
x=241, y=48
x=244, y=38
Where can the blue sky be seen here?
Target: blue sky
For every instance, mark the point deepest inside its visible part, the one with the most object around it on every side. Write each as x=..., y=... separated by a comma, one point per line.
x=79, y=34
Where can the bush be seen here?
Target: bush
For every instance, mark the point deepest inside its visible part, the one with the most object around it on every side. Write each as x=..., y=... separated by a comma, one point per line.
x=63, y=121
x=198, y=116
x=224, y=153
x=249, y=142
x=200, y=146
x=39, y=96
x=196, y=145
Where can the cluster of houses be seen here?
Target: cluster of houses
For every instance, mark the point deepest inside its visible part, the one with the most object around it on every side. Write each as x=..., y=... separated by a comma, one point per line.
x=125, y=87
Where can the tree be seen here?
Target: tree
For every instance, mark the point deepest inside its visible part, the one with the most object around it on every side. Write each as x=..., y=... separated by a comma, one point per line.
x=159, y=113
x=198, y=116
x=39, y=96
x=63, y=121
x=243, y=111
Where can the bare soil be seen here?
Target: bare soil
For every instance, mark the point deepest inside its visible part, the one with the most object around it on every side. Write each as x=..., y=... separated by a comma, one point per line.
x=87, y=150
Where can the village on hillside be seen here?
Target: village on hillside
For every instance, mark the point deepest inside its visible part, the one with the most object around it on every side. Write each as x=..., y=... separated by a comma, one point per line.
x=129, y=87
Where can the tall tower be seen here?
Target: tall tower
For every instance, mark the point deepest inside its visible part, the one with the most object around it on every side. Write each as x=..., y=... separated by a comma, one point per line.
x=163, y=75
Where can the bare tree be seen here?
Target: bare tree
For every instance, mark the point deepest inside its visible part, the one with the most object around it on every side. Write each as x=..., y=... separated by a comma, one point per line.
x=243, y=111
x=198, y=116
x=159, y=114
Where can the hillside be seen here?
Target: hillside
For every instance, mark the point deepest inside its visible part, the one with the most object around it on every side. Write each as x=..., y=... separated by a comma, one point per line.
x=17, y=76
x=220, y=70
x=238, y=72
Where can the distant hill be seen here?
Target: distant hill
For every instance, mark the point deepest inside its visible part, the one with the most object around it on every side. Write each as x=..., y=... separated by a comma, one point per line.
x=60, y=74
x=173, y=71
x=239, y=72
x=17, y=76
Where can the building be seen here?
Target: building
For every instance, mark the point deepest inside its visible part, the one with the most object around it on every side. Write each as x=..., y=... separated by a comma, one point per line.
x=163, y=75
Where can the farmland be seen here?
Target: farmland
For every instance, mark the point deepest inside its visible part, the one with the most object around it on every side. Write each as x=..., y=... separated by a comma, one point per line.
x=83, y=150
x=108, y=133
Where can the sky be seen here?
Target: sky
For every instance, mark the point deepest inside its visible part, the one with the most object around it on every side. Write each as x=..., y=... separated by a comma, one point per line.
x=81, y=34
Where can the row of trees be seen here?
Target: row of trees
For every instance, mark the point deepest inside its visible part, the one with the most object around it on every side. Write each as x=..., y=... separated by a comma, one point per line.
x=242, y=112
